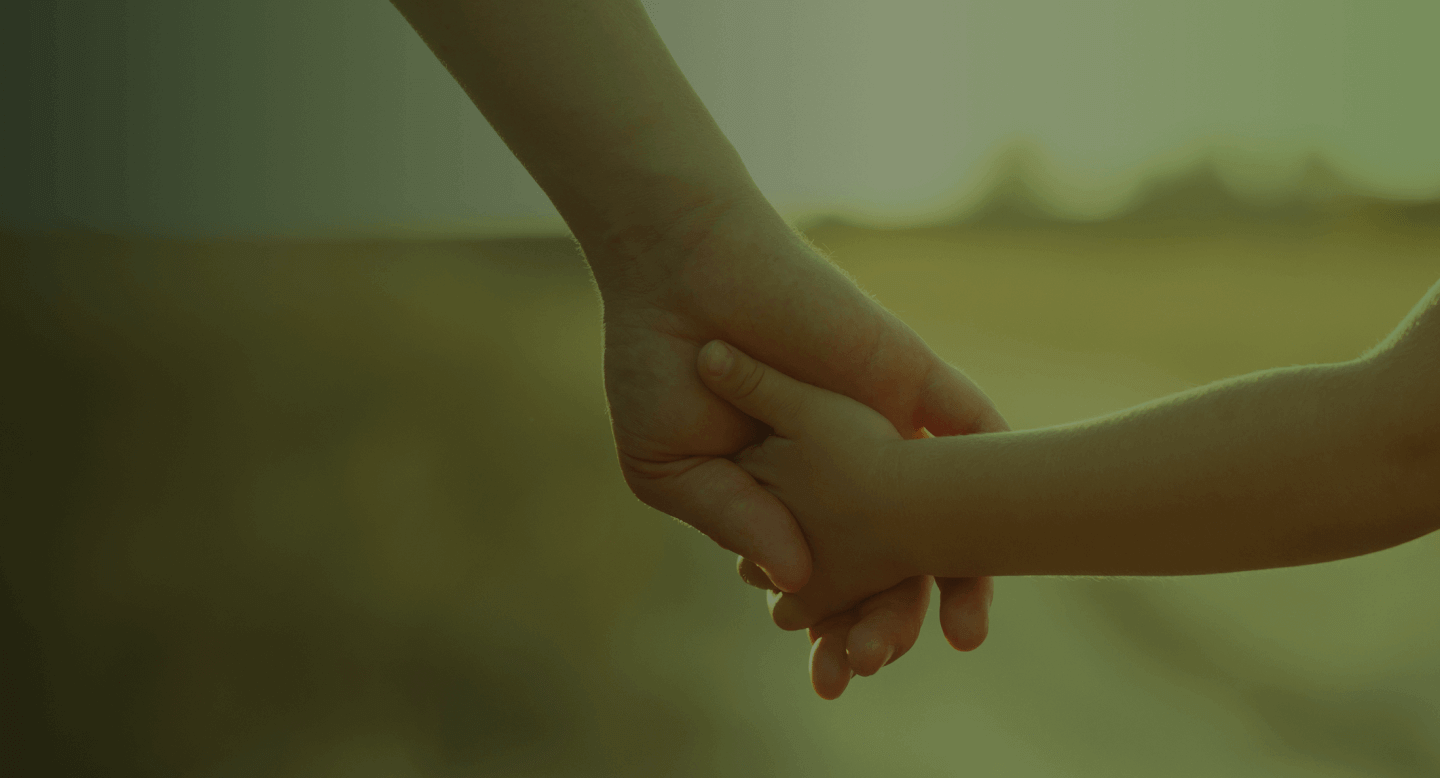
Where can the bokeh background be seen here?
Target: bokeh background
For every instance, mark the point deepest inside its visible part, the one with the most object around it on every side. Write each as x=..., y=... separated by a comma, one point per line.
x=306, y=464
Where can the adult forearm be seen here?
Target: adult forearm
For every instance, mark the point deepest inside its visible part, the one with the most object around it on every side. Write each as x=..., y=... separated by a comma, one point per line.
x=589, y=99
x=1284, y=467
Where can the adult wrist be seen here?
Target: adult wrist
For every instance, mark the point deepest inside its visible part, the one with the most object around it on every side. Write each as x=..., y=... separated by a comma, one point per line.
x=642, y=251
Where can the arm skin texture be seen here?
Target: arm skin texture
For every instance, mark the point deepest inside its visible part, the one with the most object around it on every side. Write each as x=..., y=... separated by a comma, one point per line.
x=589, y=99
x=1278, y=468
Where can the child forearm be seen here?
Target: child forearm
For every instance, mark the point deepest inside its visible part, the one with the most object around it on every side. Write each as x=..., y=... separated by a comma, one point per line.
x=1284, y=467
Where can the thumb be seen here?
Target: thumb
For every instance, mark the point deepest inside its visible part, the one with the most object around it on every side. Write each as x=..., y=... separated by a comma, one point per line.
x=951, y=404
x=755, y=389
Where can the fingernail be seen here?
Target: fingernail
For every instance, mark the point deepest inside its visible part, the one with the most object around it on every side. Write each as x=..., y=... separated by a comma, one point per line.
x=718, y=358
x=774, y=587
x=875, y=646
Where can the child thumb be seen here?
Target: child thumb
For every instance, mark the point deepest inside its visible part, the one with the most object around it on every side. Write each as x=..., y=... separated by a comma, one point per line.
x=756, y=389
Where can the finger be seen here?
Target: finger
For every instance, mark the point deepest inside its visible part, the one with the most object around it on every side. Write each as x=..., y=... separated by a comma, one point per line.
x=757, y=390
x=751, y=574
x=759, y=460
x=718, y=498
x=790, y=612
x=888, y=626
x=952, y=404
x=830, y=672
x=965, y=610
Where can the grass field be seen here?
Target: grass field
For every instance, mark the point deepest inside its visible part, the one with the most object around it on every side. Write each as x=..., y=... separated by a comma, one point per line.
x=296, y=508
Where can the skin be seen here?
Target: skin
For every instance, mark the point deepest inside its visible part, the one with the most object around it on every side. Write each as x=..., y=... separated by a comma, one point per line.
x=1283, y=467
x=685, y=249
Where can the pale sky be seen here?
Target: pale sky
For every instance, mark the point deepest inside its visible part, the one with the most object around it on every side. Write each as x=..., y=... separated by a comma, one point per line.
x=317, y=117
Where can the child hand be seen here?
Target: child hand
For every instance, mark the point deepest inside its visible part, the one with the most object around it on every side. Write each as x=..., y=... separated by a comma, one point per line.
x=831, y=461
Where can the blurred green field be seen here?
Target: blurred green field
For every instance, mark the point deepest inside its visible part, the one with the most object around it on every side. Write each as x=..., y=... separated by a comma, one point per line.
x=350, y=508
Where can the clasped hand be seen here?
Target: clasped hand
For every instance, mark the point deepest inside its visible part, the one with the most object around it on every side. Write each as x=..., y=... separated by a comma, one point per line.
x=736, y=272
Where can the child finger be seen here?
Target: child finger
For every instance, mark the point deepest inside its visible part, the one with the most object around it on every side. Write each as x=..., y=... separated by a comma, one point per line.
x=756, y=461
x=758, y=390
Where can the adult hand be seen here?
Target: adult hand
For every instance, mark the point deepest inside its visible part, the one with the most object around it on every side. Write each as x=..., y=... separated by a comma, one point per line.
x=735, y=271
x=685, y=250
